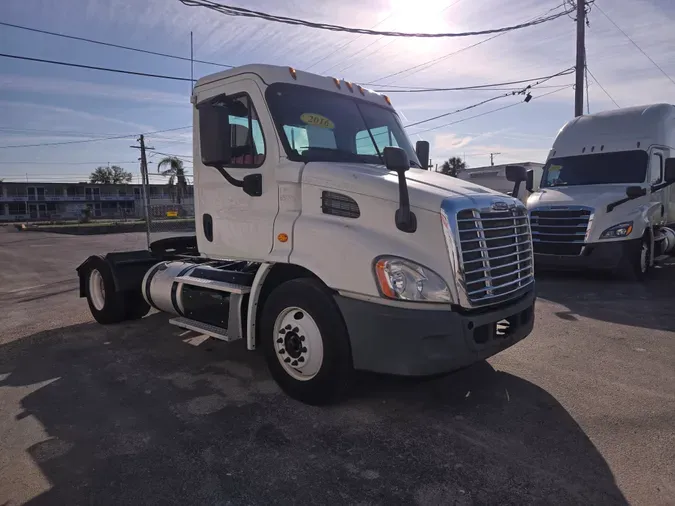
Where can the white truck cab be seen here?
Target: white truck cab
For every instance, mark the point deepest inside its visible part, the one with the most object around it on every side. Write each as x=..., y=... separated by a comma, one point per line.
x=322, y=239
x=606, y=197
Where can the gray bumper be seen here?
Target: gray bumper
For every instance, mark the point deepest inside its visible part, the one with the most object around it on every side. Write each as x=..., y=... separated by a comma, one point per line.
x=600, y=256
x=418, y=342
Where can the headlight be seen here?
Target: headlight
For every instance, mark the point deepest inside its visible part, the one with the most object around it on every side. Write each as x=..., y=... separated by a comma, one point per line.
x=620, y=230
x=405, y=280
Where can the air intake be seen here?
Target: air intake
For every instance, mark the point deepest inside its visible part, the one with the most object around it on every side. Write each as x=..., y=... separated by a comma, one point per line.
x=337, y=204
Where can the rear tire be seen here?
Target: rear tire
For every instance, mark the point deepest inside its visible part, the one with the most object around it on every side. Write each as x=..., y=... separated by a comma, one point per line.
x=305, y=342
x=105, y=303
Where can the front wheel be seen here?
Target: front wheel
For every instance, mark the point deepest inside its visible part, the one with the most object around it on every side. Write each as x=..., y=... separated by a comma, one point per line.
x=639, y=267
x=305, y=342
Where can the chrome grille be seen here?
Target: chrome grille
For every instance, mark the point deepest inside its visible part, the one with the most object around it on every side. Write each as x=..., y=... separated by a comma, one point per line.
x=496, y=254
x=559, y=231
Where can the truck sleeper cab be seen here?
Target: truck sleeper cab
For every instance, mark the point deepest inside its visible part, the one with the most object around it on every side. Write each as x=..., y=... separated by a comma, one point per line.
x=606, y=199
x=321, y=239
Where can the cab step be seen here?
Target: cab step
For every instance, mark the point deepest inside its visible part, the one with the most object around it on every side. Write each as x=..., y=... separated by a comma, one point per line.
x=203, y=328
x=222, y=286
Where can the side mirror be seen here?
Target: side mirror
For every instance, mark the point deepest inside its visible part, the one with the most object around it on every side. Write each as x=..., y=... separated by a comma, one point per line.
x=422, y=150
x=397, y=160
x=214, y=134
x=516, y=173
x=669, y=171
x=635, y=192
x=529, y=181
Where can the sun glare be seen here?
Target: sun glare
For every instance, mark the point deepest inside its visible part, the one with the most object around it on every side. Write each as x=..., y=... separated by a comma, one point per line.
x=419, y=16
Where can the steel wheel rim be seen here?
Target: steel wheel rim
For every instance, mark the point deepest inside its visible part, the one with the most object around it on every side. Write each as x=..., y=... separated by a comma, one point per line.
x=298, y=344
x=96, y=289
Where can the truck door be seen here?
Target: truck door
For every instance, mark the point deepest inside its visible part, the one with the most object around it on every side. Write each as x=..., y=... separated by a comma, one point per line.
x=656, y=163
x=229, y=222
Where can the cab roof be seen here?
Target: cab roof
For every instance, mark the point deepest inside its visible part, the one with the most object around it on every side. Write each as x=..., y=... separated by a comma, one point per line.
x=270, y=74
x=618, y=130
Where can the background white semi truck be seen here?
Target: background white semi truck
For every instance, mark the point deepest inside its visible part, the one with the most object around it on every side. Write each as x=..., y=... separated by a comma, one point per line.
x=606, y=199
x=321, y=239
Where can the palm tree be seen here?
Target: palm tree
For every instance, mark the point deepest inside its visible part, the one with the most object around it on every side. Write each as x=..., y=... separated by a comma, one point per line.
x=453, y=166
x=176, y=173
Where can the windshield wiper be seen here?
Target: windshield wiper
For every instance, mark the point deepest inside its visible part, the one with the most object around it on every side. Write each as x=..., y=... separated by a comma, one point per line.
x=413, y=163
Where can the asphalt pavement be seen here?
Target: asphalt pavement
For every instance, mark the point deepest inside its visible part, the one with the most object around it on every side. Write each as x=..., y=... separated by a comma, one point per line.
x=581, y=412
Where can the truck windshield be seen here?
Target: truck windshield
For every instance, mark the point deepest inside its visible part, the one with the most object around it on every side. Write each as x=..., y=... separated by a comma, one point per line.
x=621, y=167
x=318, y=125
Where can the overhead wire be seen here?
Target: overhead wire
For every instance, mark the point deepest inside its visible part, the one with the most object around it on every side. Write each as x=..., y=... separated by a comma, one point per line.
x=602, y=87
x=351, y=57
x=110, y=44
x=434, y=61
x=542, y=79
x=635, y=44
x=230, y=10
x=522, y=91
x=93, y=67
x=98, y=139
x=492, y=111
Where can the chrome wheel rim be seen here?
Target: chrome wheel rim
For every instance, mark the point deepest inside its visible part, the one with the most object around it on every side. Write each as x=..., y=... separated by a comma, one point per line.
x=298, y=343
x=96, y=289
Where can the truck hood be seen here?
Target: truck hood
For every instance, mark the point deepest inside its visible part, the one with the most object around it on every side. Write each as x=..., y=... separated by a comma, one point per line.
x=427, y=189
x=595, y=196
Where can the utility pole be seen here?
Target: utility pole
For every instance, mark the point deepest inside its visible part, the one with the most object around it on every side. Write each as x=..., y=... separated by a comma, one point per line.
x=145, y=185
x=492, y=158
x=581, y=58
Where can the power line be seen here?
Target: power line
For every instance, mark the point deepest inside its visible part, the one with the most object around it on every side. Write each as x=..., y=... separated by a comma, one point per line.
x=481, y=86
x=229, y=10
x=567, y=86
x=636, y=45
x=351, y=57
x=91, y=67
x=520, y=92
x=109, y=44
x=90, y=140
x=434, y=61
x=602, y=87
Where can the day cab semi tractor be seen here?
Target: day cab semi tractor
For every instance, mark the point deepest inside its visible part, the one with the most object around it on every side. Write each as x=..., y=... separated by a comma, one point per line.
x=606, y=199
x=322, y=240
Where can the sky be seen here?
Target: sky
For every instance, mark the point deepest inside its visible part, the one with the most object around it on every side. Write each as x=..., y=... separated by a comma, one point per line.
x=42, y=103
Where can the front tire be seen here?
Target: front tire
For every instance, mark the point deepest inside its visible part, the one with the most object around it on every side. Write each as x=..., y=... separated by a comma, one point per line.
x=640, y=261
x=105, y=303
x=305, y=342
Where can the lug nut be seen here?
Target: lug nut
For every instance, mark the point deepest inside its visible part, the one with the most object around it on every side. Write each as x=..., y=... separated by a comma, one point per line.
x=301, y=359
x=282, y=351
x=280, y=340
x=288, y=327
x=304, y=350
x=287, y=360
x=295, y=329
x=294, y=363
x=302, y=338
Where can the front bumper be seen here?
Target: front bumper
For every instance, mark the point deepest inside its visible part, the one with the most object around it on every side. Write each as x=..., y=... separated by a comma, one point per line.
x=419, y=342
x=601, y=256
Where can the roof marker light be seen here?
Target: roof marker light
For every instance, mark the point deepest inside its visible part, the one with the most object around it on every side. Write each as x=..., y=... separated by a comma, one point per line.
x=362, y=91
x=337, y=83
x=294, y=74
x=387, y=99
x=349, y=85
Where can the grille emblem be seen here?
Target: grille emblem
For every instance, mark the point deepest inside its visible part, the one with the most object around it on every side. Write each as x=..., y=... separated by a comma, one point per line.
x=499, y=205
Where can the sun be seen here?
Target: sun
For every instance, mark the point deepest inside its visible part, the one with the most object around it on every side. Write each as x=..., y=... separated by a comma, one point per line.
x=419, y=16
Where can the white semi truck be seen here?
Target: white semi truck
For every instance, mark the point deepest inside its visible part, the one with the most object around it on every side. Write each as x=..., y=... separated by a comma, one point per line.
x=606, y=199
x=321, y=239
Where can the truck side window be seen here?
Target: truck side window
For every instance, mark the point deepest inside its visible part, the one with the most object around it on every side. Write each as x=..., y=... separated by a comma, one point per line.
x=656, y=168
x=246, y=138
x=383, y=138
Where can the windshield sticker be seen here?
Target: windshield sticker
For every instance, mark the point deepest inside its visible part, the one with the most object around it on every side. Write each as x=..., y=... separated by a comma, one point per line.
x=317, y=120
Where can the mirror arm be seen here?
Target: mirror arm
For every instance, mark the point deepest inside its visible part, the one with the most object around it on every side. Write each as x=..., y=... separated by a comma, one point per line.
x=234, y=182
x=661, y=186
x=406, y=221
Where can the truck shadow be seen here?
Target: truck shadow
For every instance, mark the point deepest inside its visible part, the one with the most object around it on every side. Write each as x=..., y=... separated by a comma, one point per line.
x=600, y=296
x=138, y=414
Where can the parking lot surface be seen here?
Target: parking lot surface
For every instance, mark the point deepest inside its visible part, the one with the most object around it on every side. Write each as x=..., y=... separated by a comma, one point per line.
x=581, y=412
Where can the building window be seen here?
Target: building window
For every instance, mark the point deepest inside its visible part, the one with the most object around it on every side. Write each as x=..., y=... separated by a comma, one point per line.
x=16, y=208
